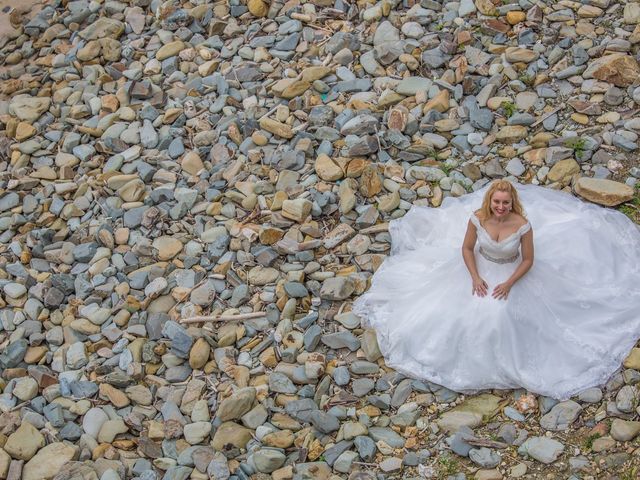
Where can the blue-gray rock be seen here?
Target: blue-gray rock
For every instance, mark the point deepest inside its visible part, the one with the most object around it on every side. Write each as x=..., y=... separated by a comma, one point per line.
x=360, y=125
x=177, y=472
x=53, y=298
x=321, y=115
x=481, y=118
x=485, y=457
x=461, y=143
x=623, y=143
x=402, y=392
x=341, y=375
x=54, y=414
x=627, y=399
x=590, y=395
x=350, y=86
x=280, y=383
x=133, y=218
x=579, y=463
x=13, y=354
x=268, y=460
x=84, y=252
x=362, y=386
x=241, y=295
x=550, y=122
x=507, y=433
x=383, y=401
x=185, y=458
x=366, y=448
x=178, y=373
x=311, y=338
x=83, y=389
x=543, y=449
x=84, y=152
x=324, y=422
x=9, y=201
x=295, y=289
x=155, y=324
x=458, y=441
x=524, y=119
x=63, y=282
x=407, y=415
x=217, y=468
x=341, y=40
x=290, y=42
x=434, y=58
x=344, y=339
x=513, y=414
x=17, y=270
x=332, y=453
x=170, y=411
x=181, y=342
x=411, y=459
x=345, y=461
x=387, y=435
x=71, y=431
x=561, y=416
x=361, y=367
x=546, y=403
x=361, y=145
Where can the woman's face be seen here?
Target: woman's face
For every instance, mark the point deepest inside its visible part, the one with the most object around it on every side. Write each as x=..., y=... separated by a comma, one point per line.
x=501, y=204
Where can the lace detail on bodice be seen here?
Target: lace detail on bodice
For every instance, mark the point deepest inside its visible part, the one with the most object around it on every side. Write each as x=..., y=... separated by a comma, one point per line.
x=507, y=248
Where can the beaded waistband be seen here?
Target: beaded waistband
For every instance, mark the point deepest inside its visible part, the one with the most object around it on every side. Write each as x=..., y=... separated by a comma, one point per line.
x=497, y=260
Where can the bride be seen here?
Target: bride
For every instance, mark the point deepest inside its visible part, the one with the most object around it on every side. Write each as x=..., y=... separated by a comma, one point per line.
x=494, y=317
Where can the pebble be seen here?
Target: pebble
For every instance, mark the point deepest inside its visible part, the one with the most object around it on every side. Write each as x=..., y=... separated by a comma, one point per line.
x=484, y=457
x=93, y=420
x=591, y=395
x=195, y=433
x=24, y=442
x=48, y=461
x=267, y=460
x=561, y=416
x=25, y=388
x=543, y=449
x=623, y=430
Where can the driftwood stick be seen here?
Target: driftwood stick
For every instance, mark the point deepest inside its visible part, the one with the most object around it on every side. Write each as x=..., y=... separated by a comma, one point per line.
x=223, y=318
x=480, y=442
x=545, y=116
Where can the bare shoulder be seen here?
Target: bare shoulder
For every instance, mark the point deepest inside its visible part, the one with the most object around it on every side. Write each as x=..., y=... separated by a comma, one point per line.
x=475, y=219
x=519, y=220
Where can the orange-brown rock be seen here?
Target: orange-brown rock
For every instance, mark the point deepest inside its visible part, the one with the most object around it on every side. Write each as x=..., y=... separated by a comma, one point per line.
x=618, y=68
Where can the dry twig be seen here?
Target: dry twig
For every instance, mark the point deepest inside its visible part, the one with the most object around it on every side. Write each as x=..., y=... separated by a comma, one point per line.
x=223, y=318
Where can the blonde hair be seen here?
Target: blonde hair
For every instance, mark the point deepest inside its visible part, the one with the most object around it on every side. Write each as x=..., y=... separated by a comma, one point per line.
x=500, y=186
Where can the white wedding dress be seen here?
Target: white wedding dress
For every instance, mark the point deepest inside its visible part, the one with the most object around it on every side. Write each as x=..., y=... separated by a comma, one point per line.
x=566, y=325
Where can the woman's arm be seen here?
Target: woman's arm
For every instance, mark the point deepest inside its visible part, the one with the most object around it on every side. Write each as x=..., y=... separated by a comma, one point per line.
x=527, y=257
x=526, y=243
x=470, y=238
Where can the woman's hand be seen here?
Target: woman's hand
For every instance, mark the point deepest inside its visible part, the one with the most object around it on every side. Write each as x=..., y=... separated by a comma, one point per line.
x=502, y=291
x=479, y=287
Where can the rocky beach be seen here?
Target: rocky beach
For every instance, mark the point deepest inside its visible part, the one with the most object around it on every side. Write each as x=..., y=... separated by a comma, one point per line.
x=193, y=193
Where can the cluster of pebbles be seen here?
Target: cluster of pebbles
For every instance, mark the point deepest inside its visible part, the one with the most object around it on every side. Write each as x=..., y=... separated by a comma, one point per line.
x=192, y=193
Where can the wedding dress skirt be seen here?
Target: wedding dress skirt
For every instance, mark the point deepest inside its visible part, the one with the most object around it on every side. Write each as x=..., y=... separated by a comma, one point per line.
x=566, y=325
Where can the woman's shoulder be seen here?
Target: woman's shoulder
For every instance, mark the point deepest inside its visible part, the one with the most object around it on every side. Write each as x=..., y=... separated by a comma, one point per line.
x=521, y=223
x=474, y=218
x=519, y=220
